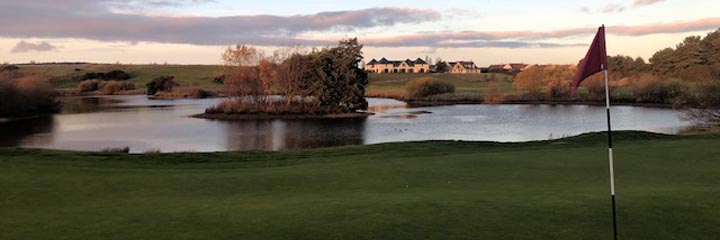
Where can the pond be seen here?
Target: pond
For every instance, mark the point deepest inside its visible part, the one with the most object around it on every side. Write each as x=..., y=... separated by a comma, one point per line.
x=96, y=123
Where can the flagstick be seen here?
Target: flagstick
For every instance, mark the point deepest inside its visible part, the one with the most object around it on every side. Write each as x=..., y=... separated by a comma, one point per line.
x=610, y=154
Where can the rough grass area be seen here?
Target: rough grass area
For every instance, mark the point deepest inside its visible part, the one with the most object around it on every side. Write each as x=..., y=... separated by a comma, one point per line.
x=468, y=86
x=667, y=189
x=475, y=83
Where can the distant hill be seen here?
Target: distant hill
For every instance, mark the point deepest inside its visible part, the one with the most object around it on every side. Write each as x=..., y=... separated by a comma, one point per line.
x=64, y=75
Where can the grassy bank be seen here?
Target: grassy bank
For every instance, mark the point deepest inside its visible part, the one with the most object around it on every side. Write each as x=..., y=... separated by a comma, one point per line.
x=667, y=189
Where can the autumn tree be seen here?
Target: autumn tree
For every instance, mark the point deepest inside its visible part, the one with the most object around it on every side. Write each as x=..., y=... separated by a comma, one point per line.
x=24, y=95
x=292, y=72
x=242, y=76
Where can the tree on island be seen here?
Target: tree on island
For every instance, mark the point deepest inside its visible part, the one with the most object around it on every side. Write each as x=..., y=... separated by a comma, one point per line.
x=338, y=83
x=326, y=81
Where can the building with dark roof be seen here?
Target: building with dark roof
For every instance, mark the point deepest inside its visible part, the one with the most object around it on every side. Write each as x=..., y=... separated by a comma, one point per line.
x=397, y=66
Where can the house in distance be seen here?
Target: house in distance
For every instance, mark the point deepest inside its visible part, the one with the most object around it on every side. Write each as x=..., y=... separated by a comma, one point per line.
x=508, y=68
x=395, y=66
x=463, y=67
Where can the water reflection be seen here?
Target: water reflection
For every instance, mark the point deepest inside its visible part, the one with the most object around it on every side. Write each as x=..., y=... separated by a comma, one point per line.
x=87, y=104
x=35, y=131
x=293, y=134
x=96, y=123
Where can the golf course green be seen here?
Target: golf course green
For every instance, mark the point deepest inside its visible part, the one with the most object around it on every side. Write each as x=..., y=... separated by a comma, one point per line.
x=668, y=188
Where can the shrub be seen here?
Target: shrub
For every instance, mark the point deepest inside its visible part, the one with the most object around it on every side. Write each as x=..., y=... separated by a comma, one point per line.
x=707, y=110
x=185, y=92
x=219, y=79
x=427, y=86
x=26, y=95
x=649, y=88
x=162, y=83
x=125, y=149
x=114, y=87
x=88, y=85
x=104, y=87
x=236, y=105
x=8, y=68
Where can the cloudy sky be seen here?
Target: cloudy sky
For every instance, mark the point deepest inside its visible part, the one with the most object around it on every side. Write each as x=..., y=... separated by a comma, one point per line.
x=485, y=31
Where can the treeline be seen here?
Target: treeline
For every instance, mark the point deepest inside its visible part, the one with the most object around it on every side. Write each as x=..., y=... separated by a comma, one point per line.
x=695, y=59
x=680, y=76
x=291, y=80
x=23, y=95
x=630, y=84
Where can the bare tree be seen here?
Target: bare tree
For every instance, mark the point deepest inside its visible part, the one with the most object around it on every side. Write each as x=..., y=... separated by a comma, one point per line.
x=291, y=71
x=242, y=76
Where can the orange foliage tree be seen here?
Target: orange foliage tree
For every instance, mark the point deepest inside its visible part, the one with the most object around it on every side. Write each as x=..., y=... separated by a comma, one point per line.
x=546, y=81
x=242, y=76
x=25, y=94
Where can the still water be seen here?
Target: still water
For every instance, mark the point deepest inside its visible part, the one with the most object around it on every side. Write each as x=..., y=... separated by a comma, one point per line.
x=96, y=123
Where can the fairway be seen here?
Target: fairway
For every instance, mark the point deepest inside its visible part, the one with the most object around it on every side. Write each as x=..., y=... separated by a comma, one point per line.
x=667, y=189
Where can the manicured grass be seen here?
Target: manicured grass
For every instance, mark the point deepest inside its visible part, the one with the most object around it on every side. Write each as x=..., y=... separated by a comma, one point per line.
x=185, y=75
x=667, y=189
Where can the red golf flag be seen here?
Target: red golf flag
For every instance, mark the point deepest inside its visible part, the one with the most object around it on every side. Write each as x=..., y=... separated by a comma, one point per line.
x=595, y=60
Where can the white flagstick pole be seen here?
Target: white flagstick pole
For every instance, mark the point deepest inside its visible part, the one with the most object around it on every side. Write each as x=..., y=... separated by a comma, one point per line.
x=610, y=154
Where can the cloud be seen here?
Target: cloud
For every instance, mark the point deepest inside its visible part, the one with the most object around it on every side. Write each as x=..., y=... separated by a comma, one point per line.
x=612, y=8
x=638, y=3
x=673, y=27
x=95, y=20
x=530, y=39
x=458, y=13
x=129, y=5
x=431, y=50
x=616, y=8
x=24, y=46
